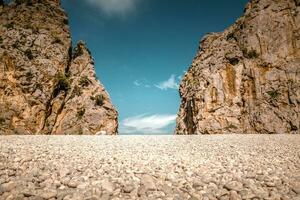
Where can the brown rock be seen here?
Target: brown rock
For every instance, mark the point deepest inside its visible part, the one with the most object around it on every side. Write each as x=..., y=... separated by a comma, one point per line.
x=45, y=88
x=246, y=79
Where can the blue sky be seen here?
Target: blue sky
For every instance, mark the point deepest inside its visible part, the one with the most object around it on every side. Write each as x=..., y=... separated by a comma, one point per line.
x=142, y=48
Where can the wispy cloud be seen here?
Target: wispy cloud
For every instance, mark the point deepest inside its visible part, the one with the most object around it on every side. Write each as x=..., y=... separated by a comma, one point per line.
x=171, y=83
x=142, y=82
x=137, y=83
x=115, y=7
x=147, y=124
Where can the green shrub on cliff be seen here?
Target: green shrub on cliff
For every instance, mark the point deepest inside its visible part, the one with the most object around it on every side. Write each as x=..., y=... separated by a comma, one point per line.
x=29, y=55
x=273, y=94
x=84, y=81
x=99, y=99
x=62, y=82
x=80, y=112
x=250, y=54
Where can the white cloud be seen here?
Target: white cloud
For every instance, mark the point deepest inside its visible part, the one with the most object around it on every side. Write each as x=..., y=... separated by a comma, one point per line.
x=142, y=82
x=147, y=124
x=168, y=84
x=137, y=83
x=115, y=7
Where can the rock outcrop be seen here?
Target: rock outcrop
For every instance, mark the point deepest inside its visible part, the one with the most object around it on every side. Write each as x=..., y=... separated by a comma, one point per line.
x=46, y=87
x=247, y=78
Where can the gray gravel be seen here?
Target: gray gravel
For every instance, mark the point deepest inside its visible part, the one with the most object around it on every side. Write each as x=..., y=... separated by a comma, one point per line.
x=150, y=167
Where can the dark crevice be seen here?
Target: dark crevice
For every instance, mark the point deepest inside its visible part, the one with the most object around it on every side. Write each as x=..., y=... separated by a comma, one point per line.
x=60, y=86
x=59, y=111
x=189, y=121
x=70, y=52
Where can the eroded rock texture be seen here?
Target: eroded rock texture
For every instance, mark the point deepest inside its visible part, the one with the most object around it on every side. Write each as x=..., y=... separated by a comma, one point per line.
x=247, y=78
x=45, y=86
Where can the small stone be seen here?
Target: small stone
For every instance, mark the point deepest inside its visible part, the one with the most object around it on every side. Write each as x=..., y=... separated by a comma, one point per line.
x=221, y=192
x=297, y=197
x=197, y=183
x=171, y=177
x=234, y=185
x=68, y=197
x=57, y=183
x=270, y=184
x=73, y=183
x=82, y=185
x=167, y=189
x=196, y=197
x=35, y=172
x=296, y=187
x=48, y=194
x=94, y=197
x=28, y=193
x=141, y=190
x=10, y=197
x=247, y=194
x=36, y=198
x=108, y=186
x=105, y=196
x=261, y=193
x=7, y=187
x=128, y=188
x=148, y=182
x=65, y=180
x=233, y=195
x=64, y=172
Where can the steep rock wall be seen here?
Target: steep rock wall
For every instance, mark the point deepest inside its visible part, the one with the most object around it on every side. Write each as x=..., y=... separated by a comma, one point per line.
x=42, y=81
x=247, y=78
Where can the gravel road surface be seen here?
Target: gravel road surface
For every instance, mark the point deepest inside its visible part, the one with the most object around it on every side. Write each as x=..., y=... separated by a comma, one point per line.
x=225, y=167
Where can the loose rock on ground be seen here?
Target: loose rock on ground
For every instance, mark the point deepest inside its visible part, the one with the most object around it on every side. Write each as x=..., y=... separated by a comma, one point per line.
x=224, y=167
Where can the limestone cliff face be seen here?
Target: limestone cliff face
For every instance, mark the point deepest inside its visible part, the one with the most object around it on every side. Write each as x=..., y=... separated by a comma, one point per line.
x=247, y=78
x=45, y=86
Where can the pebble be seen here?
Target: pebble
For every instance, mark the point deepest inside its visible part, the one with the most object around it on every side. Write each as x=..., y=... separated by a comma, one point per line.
x=48, y=194
x=128, y=188
x=296, y=187
x=233, y=195
x=73, y=183
x=108, y=186
x=7, y=187
x=148, y=182
x=234, y=185
x=64, y=172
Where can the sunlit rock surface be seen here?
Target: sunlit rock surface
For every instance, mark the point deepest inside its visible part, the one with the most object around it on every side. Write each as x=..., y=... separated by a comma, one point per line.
x=247, y=78
x=45, y=86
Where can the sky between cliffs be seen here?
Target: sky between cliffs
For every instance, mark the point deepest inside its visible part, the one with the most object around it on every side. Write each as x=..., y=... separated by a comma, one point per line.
x=142, y=49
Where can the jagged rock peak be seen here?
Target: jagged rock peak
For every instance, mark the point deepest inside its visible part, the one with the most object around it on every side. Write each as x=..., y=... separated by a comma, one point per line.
x=81, y=49
x=87, y=106
x=45, y=87
x=31, y=2
x=246, y=79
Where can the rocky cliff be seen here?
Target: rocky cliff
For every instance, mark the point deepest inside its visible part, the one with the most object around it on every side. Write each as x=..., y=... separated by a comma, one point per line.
x=46, y=87
x=247, y=78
